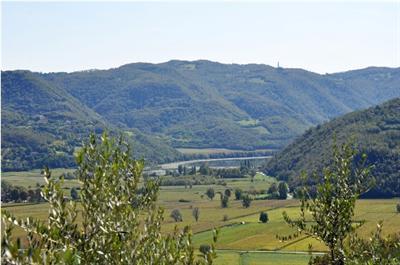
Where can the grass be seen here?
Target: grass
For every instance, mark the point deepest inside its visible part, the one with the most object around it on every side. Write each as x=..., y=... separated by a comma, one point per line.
x=39, y=210
x=229, y=257
x=274, y=259
x=29, y=179
x=257, y=236
x=249, y=236
x=260, y=258
x=235, y=239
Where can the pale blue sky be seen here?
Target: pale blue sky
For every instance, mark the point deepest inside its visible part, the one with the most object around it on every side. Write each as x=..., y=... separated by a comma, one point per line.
x=321, y=37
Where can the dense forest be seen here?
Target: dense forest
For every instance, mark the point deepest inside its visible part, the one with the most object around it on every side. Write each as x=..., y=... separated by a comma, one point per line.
x=375, y=131
x=175, y=104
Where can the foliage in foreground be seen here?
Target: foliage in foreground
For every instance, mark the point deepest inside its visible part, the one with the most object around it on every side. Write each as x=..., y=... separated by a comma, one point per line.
x=332, y=207
x=375, y=251
x=120, y=220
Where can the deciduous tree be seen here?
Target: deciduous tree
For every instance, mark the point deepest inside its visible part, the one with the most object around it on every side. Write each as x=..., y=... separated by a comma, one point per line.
x=224, y=201
x=238, y=194
x=332, y=208
x=283, y=190
x=196, y=213
x=264, y=217
x=120, y=221
x=210, y=193
x=176, y=215
x=246, y=201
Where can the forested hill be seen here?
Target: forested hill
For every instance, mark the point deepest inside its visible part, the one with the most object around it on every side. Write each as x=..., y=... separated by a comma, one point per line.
x=42, y=125
x=179, y=104
x=207, y=104
x=376, y=132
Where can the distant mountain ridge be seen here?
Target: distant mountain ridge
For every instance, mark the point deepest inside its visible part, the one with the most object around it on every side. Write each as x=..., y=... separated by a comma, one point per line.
x=376, y=132
x=198, y=104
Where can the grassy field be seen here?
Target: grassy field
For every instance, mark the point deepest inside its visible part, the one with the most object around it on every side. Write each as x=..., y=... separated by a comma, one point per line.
x=209, y=151
x=257, y=236
x=260, y=258
x=29, y=179
x=241, y=231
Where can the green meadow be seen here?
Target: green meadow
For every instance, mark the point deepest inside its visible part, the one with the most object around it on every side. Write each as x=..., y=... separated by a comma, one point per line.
x=241, y=234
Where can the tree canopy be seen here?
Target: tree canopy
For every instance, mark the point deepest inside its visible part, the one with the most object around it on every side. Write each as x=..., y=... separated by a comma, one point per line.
x=120, y=220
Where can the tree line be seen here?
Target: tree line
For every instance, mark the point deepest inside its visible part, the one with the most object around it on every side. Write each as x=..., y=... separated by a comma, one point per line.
x=13, y=193
x=121, y=221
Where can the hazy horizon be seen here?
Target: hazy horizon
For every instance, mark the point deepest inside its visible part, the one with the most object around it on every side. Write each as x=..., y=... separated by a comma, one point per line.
x=318, y=37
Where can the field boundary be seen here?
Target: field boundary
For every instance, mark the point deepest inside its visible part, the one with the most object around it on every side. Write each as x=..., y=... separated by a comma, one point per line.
x=272, y=251
x=293, y=242
x=5, y=205
x=241, y=216
x=270, y=209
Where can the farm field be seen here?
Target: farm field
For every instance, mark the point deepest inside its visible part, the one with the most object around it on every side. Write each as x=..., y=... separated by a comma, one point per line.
x=251, y=235
x=257, y=236
x=30, y=178
x=260, y=258
x=241, y=233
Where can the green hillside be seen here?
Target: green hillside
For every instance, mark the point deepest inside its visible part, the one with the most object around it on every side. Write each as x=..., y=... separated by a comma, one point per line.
x=208, y=104
x=376, y=132
x=178, y=104
x=42, y=125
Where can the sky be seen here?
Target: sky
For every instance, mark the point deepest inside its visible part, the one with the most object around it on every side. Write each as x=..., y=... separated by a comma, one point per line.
x=317, y=36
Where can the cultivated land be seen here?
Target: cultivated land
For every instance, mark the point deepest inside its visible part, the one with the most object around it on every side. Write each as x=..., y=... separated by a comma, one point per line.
x=242, y=239
x=261, y=258
x=29, y=179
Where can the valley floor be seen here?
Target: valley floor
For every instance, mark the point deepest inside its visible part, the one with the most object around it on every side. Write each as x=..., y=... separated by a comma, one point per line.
x=242, y=238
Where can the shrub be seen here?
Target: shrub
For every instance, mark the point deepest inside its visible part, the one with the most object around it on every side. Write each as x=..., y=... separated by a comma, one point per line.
x=246, y=201
x=238, y=194
x=224, y=201
x=210, y=193
x=205, y=249
x=264, y=217
x=176, y=215
x=225, y=218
